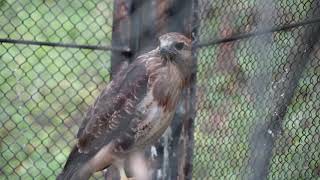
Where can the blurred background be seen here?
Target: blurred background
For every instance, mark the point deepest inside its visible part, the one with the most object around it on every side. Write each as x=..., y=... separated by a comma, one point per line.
x=251, y=112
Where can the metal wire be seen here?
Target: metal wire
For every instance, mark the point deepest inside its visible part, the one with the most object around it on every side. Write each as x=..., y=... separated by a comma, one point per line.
x=256, y=33
x=257, y=85
x=54, y=60
x=65, y=45
x=257, y=90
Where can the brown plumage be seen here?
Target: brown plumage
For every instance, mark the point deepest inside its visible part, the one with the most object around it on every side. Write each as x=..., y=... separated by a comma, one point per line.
x=133, y=110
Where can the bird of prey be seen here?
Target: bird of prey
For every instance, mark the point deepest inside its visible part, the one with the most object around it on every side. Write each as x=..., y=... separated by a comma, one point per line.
x=133, y=110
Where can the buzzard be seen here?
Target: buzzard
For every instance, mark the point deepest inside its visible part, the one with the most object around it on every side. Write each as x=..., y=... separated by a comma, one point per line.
x=134, y=109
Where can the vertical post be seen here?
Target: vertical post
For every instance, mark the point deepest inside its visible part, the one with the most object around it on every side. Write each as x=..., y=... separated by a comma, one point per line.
x=187, y=163
x=120, y=33
x=137, y=25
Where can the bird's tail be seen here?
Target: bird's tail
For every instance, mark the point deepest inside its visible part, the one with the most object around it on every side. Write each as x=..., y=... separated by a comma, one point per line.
x=74, y=167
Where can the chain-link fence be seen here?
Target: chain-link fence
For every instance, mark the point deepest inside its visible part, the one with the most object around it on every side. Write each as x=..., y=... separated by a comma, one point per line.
x=258, y=90
x=46, y=89
x=257, y=85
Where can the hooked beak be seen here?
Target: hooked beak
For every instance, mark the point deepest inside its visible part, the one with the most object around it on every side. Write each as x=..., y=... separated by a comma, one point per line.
x=166, y=51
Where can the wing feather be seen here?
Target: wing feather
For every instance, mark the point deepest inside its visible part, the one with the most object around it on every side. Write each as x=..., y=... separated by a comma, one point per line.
x=114, y=109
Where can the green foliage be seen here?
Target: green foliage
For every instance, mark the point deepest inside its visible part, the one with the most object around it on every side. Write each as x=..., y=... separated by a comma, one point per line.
x=45, y=91
x=228, y=108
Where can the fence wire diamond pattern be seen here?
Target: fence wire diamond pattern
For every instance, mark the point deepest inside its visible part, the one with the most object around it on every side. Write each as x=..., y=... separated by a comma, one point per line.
x=257, y=97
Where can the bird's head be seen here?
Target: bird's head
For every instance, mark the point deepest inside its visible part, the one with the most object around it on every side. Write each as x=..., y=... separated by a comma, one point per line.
x=176, y=48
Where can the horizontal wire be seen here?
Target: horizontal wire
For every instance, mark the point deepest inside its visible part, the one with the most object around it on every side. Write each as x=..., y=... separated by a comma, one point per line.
x=67, y=45
x=256, y=33
x=198, y=45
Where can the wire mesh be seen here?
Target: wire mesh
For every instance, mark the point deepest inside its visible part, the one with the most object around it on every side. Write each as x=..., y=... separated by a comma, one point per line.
x=44, y=90
x=241, y=85
x=258, y=108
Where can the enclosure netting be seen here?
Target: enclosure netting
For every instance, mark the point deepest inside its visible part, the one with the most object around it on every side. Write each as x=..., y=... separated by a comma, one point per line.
x=258, y=97
x=45, y=91
x=253, y=94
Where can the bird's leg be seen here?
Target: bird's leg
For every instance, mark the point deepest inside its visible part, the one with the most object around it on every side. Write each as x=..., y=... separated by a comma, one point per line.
x=122, y=172
x=120, y=165
x=139, y=166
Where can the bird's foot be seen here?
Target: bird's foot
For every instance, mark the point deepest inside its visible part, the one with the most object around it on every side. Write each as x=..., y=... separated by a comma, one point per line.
x=123, y=175
x=126, y=178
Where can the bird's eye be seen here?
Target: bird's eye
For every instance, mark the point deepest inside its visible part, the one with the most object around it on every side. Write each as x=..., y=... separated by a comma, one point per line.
x=179, y=45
